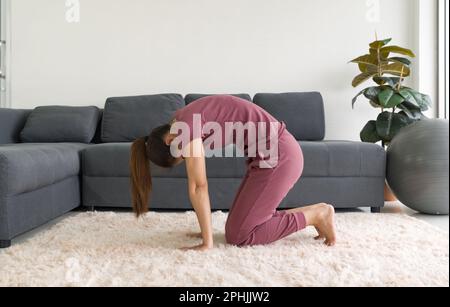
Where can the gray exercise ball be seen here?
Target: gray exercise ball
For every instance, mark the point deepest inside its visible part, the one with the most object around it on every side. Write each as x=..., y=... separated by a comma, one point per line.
x=418, y=167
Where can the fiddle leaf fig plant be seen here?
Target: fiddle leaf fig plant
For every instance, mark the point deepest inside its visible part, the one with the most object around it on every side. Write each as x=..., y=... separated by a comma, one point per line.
x=387, y=66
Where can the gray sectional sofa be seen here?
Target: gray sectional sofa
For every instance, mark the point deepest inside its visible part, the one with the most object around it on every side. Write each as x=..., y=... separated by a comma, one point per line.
x=55, y=159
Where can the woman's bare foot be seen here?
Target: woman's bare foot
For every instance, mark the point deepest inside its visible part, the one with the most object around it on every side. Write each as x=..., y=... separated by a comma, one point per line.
x=325, y=225
x=320, y=216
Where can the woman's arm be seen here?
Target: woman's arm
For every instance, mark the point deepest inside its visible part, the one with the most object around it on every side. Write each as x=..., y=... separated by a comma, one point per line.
x=198, y=192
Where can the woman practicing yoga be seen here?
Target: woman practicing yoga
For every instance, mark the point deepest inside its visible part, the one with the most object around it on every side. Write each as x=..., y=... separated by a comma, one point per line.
x=253, y=219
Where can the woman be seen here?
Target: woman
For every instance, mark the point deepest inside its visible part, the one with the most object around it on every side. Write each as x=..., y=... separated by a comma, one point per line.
x=253, y=219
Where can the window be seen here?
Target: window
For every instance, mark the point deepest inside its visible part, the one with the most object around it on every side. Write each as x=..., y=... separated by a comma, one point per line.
x=443, y=60
x=4, y=81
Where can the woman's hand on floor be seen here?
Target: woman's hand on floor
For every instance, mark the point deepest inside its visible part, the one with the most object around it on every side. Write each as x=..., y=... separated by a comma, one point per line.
x=195, y=235
x=202, y=247
x=198, y=248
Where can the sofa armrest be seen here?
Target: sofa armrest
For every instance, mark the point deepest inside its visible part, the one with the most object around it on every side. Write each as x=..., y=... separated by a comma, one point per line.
x=11, y=124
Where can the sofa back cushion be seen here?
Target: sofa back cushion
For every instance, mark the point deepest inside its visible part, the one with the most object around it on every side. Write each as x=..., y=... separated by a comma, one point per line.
x=98, y=133
x=12, y=122
x=58, y=124
x=193, y=97
x=127, y=118
x=303, y=113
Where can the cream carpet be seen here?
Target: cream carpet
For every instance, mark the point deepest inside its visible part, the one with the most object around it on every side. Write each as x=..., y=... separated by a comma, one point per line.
x=113, y=249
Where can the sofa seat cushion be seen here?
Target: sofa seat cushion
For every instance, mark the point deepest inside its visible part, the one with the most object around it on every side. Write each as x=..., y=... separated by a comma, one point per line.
x=27, y=167
x=322, y=159
x=111, y=160
x=343, y=159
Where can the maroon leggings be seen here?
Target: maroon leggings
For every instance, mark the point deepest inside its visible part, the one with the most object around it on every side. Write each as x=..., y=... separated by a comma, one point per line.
x=254, y=219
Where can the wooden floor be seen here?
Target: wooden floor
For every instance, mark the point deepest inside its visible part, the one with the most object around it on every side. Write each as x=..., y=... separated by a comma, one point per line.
x=438, y=221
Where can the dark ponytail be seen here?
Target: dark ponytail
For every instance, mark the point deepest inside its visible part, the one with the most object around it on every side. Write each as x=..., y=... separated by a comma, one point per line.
x=144, y=150
x=141, y=179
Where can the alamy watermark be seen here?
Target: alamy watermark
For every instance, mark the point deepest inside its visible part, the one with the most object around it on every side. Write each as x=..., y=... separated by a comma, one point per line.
x=73, y=11
x=373, y=14
x=252, y=139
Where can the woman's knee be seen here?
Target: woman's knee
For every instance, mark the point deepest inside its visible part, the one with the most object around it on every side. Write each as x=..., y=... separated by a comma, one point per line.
x=231, y=239
x=239, y=238
x=231, y=231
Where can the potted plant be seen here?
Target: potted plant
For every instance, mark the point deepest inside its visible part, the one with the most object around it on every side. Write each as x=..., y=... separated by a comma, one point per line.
x=387, y=66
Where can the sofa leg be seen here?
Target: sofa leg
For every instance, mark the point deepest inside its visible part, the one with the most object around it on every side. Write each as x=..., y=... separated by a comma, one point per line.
x=375, y=209
x=5, y=243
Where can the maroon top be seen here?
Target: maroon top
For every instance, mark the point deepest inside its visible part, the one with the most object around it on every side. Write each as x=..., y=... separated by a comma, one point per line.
x=223, y=109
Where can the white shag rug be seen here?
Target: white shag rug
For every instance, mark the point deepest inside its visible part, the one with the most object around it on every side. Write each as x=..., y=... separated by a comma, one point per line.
x=114, y=249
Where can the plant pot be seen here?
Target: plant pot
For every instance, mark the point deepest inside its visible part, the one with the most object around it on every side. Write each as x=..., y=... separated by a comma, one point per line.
x=388, y=194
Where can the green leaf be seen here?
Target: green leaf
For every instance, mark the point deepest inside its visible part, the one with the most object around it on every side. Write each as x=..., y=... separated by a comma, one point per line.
x=421, y=101
x=369, y=133
x=380, y=44
x=427, y=102
x=371, y=93
x=391, y=81
x=367, y=63
x=411, y=97
x=412, y=120
x=385, y=95
x=395, y=100
x=400, y=60
x=398, y=50
x=375, y=104
x=389, y=98
x=355, y=99
x=363, y=78
x=383, y=55
x=389, y=124
x=367, y=59
x=396, y=69
x=364, y=68
x=379, y=81
x=411, y=111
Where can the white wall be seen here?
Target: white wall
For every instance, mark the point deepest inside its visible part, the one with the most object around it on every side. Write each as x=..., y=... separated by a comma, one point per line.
x=129, y=47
